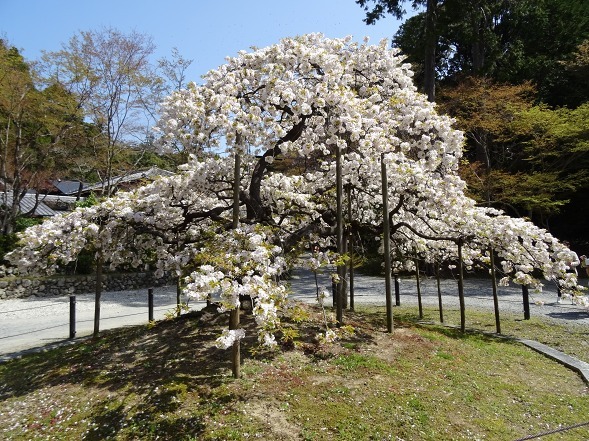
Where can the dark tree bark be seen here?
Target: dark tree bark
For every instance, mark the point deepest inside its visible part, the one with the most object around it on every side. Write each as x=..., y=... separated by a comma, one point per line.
x=431, y=42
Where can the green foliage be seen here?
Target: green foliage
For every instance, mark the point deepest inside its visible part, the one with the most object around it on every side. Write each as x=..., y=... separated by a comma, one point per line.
x=84, y=264
x=372, y=265
x=37, y=127
x=377, y=9
x=528, y=160
x=509, y=42
x=89, y=201
x=556, y=139
x=8, y=242
x=299, y=314
x=144, y=159
x=177, y=311
x=556, y=146
x=23, y=222
x=524, y=155
x=576, y=71
x=289, y=334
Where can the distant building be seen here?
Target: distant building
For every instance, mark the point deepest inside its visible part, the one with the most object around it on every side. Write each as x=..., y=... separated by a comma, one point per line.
x=122, y=182
x=61, y=196
x=68, y=188
x=30, y=205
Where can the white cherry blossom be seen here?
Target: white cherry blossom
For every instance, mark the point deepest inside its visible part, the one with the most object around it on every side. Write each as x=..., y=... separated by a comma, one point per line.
x=285, y=110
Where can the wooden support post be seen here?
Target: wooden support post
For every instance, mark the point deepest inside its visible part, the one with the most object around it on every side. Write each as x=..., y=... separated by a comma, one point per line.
x=495, y=295
x=339, y=307
x=351, y=269
x=344, y=271
x=397, y=290
x=419, y=304
x=387, y=243
x=461, y=287
x=350, y=247
x=234, y=314
x=178, y=296
x=439, y=293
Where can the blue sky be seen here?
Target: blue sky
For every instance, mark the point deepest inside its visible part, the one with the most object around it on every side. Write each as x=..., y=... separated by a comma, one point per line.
x=204, y=31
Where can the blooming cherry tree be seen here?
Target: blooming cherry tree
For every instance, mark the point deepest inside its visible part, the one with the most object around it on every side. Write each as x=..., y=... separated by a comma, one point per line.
x=285, y=110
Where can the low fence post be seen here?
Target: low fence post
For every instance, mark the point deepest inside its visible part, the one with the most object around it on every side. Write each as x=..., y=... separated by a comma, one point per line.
x=526, y=299
x=72, y=316
x=150, y=303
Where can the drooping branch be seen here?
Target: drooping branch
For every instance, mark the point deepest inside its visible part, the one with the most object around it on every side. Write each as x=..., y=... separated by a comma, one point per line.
x=418, y=233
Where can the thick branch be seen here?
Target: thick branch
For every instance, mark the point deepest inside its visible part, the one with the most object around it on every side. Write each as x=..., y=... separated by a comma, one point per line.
x=255, y=209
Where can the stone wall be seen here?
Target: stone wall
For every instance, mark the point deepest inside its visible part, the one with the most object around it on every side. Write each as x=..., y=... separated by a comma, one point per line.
x=13, y=287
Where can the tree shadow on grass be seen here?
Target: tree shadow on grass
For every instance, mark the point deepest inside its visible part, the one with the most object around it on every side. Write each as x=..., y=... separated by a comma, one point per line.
x=127, y=357
x=134, y=358
x=166, y=380
x=139, y=377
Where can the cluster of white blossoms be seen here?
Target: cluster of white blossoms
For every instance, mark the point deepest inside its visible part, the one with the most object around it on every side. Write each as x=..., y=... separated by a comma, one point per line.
x=286, y=110
x=240, y=263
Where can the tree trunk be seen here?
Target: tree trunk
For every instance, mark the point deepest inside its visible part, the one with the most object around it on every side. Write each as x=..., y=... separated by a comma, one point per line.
x=431, y=41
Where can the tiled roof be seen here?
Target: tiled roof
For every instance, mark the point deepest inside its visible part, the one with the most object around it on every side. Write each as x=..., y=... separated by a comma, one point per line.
x=137, y=176
x=68, y=187
x=27, y=204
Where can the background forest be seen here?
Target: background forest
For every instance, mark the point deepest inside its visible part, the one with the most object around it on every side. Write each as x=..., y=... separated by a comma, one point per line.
x=512, y=73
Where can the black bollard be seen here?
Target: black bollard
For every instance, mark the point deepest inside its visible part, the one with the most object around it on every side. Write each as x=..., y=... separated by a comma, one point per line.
x=526, y=299
x=150, y=303
x=72, y=316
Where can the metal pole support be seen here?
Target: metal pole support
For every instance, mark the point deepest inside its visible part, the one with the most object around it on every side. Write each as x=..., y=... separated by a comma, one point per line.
x=150, y=303
x=72, y=316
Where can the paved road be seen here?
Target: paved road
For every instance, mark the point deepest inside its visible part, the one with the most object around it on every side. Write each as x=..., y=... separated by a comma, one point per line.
x=40, y=322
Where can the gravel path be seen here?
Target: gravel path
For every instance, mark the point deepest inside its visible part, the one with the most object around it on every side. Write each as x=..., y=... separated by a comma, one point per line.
x=40, y=322
x=478, y=294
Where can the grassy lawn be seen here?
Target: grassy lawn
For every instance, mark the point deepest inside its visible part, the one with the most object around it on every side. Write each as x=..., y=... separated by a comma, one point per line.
x=423, y=382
